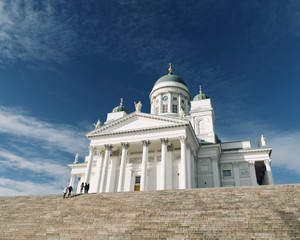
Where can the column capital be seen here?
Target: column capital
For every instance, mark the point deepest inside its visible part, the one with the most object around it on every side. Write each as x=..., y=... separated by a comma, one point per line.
x=92, y=148
x=108, y=147
x=164, y=140
x=267, y=162
x=100, y=153
x=125, y=145
x=182, y=139
x=214, y=159
x=251, y=162
x=235, y=164
x=146, y=142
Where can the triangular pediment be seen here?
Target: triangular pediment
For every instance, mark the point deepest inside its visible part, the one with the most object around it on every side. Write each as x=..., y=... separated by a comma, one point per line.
x=137, y=122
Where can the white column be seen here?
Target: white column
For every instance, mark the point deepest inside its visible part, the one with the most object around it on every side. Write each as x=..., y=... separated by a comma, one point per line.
x=105, y=167
x=216, y=172
x=72, y=180
x=112, y=175
x=183, y=182
x=98, y=170
x=269, y=175
x=236, y=173
x=252, y=173
x=89, y=164
x=144, y=165
x=164, y=143
x=122, y=166
x=188, y=165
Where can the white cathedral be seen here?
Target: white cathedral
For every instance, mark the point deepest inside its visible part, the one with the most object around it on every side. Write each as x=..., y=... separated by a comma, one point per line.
x=173, y=147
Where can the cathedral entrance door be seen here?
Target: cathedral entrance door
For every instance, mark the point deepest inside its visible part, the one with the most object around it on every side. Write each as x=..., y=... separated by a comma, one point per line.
x=137, y=183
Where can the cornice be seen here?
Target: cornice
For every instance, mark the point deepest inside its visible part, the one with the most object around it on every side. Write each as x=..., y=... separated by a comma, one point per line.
x=259, y=150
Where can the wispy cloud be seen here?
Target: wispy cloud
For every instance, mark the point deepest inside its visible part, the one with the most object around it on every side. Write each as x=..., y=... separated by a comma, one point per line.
x=38, y=151
x=38, y=165
x=10, y=187
x=31, y=31
x=61, y=137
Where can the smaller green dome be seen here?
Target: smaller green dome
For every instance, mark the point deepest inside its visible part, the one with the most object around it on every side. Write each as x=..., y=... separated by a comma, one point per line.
x=200, y=96
x=120, y=108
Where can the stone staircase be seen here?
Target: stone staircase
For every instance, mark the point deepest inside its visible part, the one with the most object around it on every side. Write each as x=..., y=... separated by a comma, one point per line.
x=265, y=212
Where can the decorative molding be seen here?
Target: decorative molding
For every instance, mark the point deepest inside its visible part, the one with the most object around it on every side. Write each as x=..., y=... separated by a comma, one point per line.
x=214, y=159
x=246, y=151
x=235, y=164
x=182, y=139
x=92, y=148
x=108, y=147
x=267, y=162
x=251, y=162
x=146, y=143
x=125, y=145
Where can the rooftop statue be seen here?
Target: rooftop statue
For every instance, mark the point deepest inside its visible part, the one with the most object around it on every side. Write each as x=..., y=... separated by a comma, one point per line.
x=97, y=125
x=138, y=106
x=181, y=114
x=76, y=158
x=263, y=141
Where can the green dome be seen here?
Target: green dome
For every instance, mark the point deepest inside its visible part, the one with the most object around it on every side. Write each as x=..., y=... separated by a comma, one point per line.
x=200, y=96
x=170, y=78
x=120, y=108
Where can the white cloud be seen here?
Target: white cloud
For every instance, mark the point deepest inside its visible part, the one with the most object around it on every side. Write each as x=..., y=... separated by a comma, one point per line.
x=10, y=187
x=40, y=165
x=286, y=150
x=62, y=137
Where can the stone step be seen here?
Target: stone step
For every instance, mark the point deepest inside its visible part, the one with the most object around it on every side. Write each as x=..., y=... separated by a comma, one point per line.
x=264, y=212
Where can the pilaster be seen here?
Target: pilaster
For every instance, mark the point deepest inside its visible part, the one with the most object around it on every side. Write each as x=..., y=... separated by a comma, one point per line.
x=236, y=173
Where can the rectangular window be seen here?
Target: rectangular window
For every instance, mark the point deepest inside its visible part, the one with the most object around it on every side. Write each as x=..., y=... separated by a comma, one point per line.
x=137, y=179
x=174, y=108
x=226, y=173
x=182, y=101
x=175, y=98
x=165, y=108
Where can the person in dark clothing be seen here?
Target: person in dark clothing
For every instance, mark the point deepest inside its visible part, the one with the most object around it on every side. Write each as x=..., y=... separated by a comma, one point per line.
x=88, y=188
x=85, y=188
x=81, y=187
x=70, y=191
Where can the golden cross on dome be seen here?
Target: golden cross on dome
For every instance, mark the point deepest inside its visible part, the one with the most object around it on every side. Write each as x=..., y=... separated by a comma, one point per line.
x=200, y=90
x=170, y=68
x=121, y=103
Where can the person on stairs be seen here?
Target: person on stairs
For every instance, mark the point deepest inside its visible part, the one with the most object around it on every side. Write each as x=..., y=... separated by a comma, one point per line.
x=65, y=191
x=81, y=188
x=70, y=191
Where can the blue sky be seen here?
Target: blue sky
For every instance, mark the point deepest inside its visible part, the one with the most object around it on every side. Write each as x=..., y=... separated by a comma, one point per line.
x=66, y=64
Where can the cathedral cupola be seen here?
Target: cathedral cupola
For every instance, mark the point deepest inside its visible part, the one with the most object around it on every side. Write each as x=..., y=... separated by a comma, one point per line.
x=200, y=96
x=169, y=95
